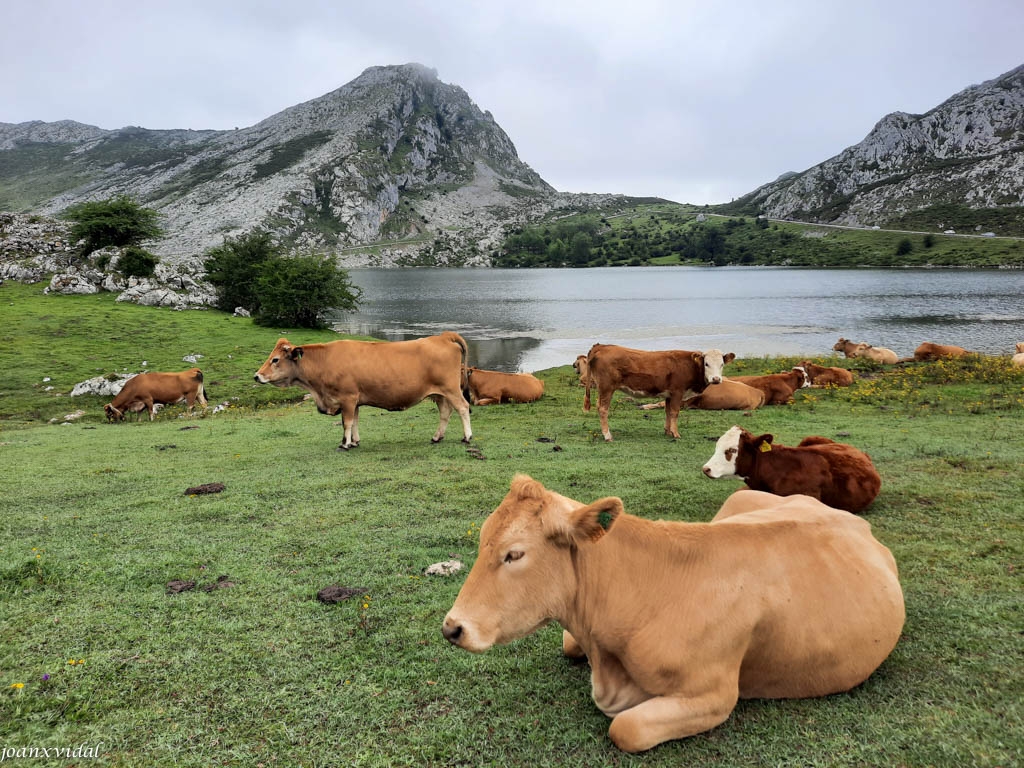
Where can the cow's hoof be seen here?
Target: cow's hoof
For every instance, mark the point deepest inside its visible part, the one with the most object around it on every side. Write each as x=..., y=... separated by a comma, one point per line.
x=467, y=440
x=438, y=440
x=343, y=447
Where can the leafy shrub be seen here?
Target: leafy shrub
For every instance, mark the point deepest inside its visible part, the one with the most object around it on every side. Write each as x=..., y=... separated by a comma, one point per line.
x=233, y=268
x=118, y=221
x=298, y=291
x=136, y=262
x=904, y=246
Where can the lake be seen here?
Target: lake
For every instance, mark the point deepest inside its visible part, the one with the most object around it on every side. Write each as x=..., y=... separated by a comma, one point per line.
x=532, y=319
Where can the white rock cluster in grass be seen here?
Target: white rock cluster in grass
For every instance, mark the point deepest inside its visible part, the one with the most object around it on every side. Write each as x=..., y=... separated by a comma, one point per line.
x=103, y=386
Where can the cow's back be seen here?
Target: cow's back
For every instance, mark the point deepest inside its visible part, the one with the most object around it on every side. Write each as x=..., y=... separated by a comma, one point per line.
x=831, y=605
x=641, y=371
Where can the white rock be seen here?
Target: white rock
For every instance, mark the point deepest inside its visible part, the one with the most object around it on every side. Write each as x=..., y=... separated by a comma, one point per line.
x=444, y=568
x=192, y=358
x=102, y=386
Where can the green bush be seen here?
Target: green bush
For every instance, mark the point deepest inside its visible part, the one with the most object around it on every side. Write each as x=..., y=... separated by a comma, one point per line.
x=118, y=221
x=136, y=262
x=298, y=291
x=233, y=268
x=904, y=246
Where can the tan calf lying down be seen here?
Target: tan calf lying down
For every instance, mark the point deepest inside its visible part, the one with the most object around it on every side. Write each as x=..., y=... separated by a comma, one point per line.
x=1018, y=359
x=778, y=388
x=822, y=376
x=774, y=598
x=490, y=387
x=853, y=349
x=928, y=351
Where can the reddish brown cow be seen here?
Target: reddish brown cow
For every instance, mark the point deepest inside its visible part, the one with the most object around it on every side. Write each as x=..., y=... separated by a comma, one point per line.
x=821, y=376
x=838, y=474
x=147, y=390
x=490, y=387
x=774, y=598
x=929, y=351
x=343, y=375
x=727, y=395
x=671, y=374
x=778, y=388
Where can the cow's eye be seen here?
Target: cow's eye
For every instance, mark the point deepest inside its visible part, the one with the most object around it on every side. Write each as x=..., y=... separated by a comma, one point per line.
x=729, y=453
x=274, y=361
x=514, y=555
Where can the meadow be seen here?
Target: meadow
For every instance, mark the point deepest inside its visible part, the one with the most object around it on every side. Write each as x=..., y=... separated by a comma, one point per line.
x=249, y=669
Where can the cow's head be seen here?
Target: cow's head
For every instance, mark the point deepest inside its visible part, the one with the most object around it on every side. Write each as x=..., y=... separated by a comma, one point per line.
x=803, y=377
x=733, y=453
x=523, y=576
x=113, y=414
x=840, y=345
x=581, y=367
x=281, y=368
x=1020, y=347
x=713, y=362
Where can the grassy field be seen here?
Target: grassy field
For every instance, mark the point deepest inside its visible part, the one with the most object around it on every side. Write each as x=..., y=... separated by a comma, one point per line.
x=96, y=523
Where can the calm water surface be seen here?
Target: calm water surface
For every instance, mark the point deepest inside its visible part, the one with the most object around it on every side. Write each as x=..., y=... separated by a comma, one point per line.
x=533, y=319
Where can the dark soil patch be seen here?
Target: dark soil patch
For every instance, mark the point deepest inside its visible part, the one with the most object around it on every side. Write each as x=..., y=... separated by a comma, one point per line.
x=198, y=490
x=176, y=586
x=335, y=594
x=222, y=582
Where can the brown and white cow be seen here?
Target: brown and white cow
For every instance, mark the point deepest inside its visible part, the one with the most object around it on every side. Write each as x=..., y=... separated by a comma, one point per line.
x=727, y=395
x=670, y=374
x=882, y=355
x=774, y=598
x=778, y=388
x=840, y=475
x=822, y=376
x=928, y=351
x=394, y=375
x=1018, y=359
x=491, y=387
x=147, y=390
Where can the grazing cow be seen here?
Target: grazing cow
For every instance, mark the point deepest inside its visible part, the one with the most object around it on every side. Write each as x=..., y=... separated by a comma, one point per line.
x=878, y=354
x=394, y=375
x=774, y=598
x=821, y=376
x=778, y=388
x=929, y=351
x=490, y=387
x=147, y=390
x=728, y=395
x=1018, y=359
x=673, y=373
x=838, y=474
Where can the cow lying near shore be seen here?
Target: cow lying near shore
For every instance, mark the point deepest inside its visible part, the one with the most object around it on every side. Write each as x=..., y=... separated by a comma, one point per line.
x=394, y=375
x=491, y=387
x=671, y=374
x=778, y=388
x=774, y=598
x=837, y=474
x=728, y=395
x=147, y=390
x=1018, y=359
x=929, y=351
x=822, y=376
x=878, y=354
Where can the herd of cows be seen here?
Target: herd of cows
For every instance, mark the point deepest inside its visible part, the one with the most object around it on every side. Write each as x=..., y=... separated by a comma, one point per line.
x=784, y=594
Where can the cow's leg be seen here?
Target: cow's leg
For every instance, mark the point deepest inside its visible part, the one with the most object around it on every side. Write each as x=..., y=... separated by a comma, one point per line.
x=604, y=402
x=671, y=717
x=348, y=418
x=444, y=410
x=672, y=405
x=570, y=647
x=462, y=407
x=355, y=428
x=151, y=407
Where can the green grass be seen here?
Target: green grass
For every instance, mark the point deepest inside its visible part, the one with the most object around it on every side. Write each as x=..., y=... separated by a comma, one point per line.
x=95, y=523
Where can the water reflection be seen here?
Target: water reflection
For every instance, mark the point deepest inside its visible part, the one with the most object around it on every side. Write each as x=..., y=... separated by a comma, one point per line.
x=536, y=319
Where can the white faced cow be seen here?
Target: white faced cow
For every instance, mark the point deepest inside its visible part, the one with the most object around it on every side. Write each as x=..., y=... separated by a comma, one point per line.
x=774, y=598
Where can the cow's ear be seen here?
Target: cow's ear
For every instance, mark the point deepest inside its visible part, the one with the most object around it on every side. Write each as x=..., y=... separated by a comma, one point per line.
x=295, y=353
x=764, y=442
x=698, y=358
x=729, y=357
x=593, y=521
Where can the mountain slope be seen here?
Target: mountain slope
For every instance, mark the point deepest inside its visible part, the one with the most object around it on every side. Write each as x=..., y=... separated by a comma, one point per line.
x=967, y=151
x=395, y=155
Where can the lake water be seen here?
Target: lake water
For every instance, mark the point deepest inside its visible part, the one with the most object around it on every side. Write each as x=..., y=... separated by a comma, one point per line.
x=532, y=319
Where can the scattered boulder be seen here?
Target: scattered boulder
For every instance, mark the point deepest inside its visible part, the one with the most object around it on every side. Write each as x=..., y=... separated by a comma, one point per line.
x=444, y=568
x=71, y=284
x=68, y=418
x=192, y=358
x=103, y=386
x=242, y=312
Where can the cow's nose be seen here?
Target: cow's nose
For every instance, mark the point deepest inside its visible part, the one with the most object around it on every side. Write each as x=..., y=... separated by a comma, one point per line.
x=706, y=471
x=256, y=378
x=451, y=633
x=716, y=379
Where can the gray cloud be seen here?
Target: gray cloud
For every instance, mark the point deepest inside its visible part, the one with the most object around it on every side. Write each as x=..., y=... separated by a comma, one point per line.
x=693, y=101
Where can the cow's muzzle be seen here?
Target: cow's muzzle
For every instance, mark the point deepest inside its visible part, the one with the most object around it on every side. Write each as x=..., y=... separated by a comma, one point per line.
x=452, y=632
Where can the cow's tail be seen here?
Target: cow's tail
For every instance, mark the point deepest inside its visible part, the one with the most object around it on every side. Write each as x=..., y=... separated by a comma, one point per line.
x=464, y=381
x=588, y=380
x=201, y=390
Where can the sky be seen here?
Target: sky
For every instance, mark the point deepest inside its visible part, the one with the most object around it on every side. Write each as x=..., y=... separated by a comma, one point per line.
x=697, y=102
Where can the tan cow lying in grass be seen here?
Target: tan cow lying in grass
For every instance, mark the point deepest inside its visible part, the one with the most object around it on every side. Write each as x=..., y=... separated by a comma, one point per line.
x=928, y=351
x=728, y=395
x=491, y=387
x=147, y=390
x=774, y=598
x=778, y=388
x=823, y=376
x=1018, y=359
x=882, y=355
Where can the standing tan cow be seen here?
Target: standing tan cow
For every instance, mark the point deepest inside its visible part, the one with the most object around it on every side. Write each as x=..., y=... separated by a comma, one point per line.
x=774, y=598
x=492, y=387
x=394, y=375
x=147, y=390
x=671, y=374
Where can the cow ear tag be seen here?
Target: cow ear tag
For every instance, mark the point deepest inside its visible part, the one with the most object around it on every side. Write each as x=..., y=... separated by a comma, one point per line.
x=765, y=447
x=604, y=519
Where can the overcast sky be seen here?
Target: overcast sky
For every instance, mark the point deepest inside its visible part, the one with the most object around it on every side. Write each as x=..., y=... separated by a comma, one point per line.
x=692, y=101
